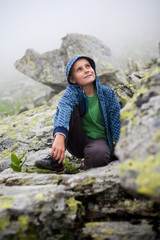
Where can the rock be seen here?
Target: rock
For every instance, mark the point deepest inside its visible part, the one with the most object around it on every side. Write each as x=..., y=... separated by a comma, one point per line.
x=134, y=66
x=30, y=131
x=125, y=92
x=118, y=230
x=23, y=109
x=19, y=94
x=30, y=200
x=49, y=68
x=139, y=144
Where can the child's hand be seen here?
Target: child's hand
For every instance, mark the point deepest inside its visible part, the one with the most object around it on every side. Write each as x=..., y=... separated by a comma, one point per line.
x=58, y=148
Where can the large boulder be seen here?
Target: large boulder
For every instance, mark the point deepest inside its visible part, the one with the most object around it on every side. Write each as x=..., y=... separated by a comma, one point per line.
x=49, y=68
x=139, y=144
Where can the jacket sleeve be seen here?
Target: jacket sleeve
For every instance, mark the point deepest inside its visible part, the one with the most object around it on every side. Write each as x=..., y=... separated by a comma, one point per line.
x=114, y=117
x=65, y=107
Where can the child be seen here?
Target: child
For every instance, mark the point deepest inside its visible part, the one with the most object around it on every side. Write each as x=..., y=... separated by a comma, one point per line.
x=87, y=120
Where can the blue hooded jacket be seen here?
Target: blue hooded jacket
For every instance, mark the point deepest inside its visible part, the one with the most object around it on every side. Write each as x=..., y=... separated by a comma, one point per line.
x=75, y=96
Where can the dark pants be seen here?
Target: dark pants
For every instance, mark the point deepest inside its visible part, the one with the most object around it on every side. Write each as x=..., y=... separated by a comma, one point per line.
x=94, y=151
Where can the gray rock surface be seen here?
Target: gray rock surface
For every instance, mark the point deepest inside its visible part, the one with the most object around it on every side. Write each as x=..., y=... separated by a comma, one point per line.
x=49, y=68
x=118, y=230
x=139, y=144
x=30, y=132
x=51, y=206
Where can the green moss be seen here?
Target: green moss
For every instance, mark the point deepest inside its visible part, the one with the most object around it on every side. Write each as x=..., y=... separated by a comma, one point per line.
x=5, y=202
x=4, y=222
x=38, y=170
x=73, y=204
x=72, y=166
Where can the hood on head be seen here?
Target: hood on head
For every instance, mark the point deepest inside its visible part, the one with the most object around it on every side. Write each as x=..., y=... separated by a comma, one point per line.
x=72, y=61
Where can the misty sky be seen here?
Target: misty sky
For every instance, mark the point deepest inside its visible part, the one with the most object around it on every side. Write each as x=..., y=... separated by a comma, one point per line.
x=41, y=24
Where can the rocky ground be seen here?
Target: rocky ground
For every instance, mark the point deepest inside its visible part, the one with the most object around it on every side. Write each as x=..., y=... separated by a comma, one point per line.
x=118, y=201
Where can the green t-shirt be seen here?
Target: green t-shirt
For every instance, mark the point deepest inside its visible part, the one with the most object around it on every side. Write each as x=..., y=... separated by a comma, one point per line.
x=92, y=121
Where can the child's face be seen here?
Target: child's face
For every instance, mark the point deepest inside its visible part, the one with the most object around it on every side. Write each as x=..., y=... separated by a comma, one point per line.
x=82, y=73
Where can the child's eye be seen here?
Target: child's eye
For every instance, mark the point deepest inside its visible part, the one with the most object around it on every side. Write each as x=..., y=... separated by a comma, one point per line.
x=79, y=69
x=87, y=66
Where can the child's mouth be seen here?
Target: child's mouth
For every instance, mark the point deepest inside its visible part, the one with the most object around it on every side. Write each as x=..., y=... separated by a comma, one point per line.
x=88, y=76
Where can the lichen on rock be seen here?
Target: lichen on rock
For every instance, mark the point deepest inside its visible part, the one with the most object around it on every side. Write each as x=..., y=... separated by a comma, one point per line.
x=138, y=146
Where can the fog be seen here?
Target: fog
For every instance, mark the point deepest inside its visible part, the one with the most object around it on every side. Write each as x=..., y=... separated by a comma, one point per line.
x=41, y=24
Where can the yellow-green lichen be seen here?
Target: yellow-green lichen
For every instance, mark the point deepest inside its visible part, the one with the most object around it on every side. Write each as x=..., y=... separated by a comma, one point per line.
x=30, y=62
x=88, y=181
x=4, y=222
x=134, y=121
x=147, y=175
x=109, y=231
x=24, y=125
x=136, y=205
x=73, y=204
x=123, y=130
x=130, y=205
x=128, y=113
x=157, y=139
x=93, y=224
x=23, y=233
x=24, y=222
x=152, y=73
x=6, y=153
x=5, y=202
x=40, y=197
x=140, y=91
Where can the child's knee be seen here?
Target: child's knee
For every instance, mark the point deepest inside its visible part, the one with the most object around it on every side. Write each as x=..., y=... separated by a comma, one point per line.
x=96, y=157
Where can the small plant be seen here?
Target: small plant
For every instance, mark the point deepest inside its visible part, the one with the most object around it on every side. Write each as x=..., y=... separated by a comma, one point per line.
x=16, y=163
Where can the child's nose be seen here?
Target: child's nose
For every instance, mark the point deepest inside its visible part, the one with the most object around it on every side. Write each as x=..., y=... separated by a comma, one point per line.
x=86, y=70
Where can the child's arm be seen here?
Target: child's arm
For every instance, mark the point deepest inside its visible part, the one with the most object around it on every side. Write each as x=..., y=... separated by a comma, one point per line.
x=58, y=148
x=61, y=122
x=65, y=107
x=115, y=123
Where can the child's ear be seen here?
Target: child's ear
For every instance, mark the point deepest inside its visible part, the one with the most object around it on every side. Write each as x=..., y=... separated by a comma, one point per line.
x=72, y=80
